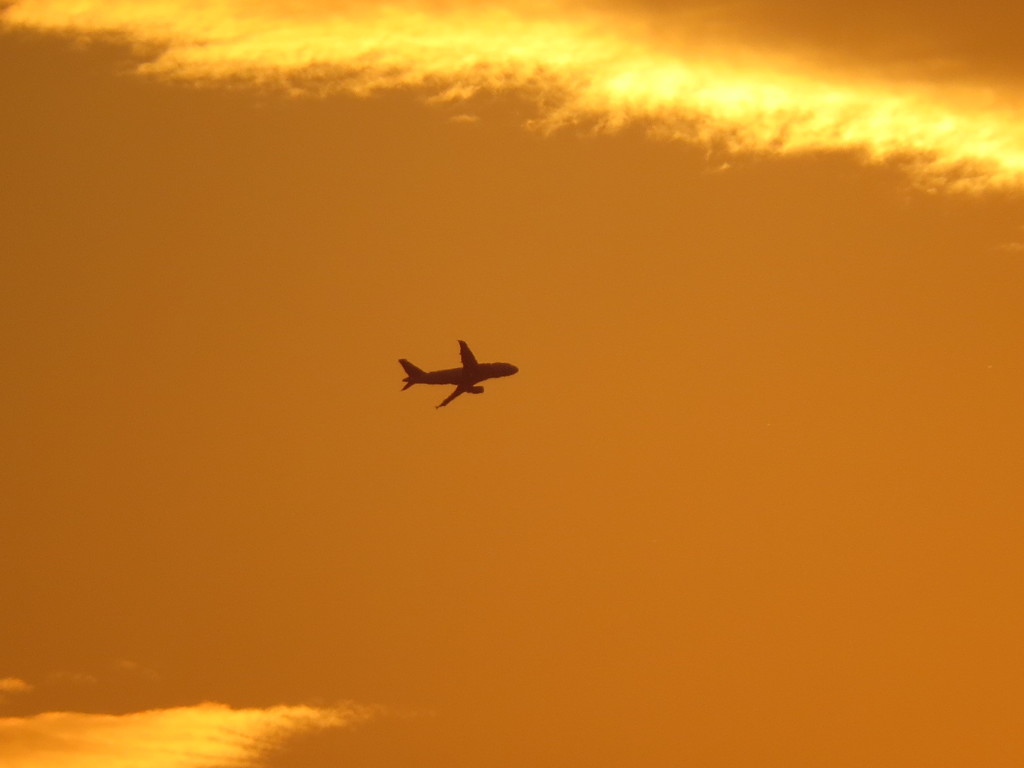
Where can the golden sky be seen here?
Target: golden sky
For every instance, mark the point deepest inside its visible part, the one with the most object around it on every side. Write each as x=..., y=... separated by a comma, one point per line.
x=753, y=499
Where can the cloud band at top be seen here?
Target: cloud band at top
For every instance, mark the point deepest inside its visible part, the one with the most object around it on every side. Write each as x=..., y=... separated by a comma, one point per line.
x=581, y=67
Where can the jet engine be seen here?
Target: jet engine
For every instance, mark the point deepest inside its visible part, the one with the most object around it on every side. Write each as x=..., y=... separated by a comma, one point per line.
x=475, y=390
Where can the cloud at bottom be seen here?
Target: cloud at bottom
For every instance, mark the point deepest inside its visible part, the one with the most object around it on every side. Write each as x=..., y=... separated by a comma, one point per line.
x=207, y=735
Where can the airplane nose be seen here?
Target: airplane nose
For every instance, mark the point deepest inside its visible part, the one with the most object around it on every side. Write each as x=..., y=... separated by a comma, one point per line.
x=515, y=368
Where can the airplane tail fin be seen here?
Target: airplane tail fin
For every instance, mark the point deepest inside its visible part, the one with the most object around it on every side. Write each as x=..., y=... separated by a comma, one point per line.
x=413, y=373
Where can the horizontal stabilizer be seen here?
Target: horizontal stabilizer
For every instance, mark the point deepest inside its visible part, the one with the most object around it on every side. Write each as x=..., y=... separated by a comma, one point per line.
x=413, y=372
x=411, y=369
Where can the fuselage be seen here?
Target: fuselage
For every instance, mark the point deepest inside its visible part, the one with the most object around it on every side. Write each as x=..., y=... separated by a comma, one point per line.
x=464, y=379
x=467, y=376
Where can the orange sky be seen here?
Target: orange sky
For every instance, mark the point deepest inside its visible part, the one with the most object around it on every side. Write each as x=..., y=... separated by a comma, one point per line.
x=754, y=498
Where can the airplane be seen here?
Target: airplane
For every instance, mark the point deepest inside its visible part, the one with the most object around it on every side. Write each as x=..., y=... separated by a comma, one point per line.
x=465, y=379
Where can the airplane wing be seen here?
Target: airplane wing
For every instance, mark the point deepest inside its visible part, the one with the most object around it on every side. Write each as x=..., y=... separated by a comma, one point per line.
x=468, y=358
x=458, y=391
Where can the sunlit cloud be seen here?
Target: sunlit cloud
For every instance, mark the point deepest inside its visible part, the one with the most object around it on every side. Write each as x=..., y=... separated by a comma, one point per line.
x=203, y=736
x=601, y=70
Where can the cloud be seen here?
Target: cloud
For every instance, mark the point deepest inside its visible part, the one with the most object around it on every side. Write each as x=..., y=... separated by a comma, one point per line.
x=133, y=668
x=13, y=685
x=603, y=70
x=75, y=678
x=1012, y=247
x=203, y=736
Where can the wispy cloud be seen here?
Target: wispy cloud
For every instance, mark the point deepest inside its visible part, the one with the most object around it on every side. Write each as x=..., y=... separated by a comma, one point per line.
x=1012, y=247
x=202, y=736
x=135, y=669
x=9, y=685
x=604, y=70
x=14, y=685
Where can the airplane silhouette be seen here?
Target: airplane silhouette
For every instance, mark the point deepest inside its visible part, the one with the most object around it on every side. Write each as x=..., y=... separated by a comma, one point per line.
x=465, y=378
